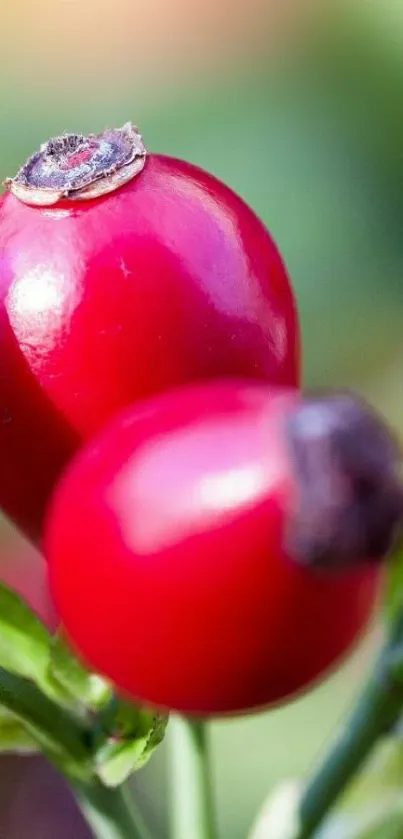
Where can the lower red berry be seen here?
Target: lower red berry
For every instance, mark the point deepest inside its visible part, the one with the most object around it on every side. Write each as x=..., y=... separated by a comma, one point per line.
x=168, y=559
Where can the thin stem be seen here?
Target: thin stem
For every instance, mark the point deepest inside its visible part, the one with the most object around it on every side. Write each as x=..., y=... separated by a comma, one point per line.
x=377, y=709
x=192, y=804
x=110, y=813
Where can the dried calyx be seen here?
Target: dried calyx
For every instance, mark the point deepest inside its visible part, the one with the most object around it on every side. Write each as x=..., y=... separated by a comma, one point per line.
x=346, y=464
x=80, y=167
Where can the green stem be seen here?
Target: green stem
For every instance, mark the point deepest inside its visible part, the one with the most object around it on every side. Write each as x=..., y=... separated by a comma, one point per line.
x=49, y=722
x=377, y=710
x=192, y=804
x=66, y=741
x=110, y=813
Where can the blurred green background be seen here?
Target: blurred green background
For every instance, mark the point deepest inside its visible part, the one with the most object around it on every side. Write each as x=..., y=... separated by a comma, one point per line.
x=297, y=105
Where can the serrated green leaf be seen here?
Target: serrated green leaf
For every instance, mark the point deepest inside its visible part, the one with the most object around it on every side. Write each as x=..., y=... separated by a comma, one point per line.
x=125, y=720
x=138, y=732
x=156, y=735
x=24, y=640
x=71, y=675
x=118, y=760
x=134, y=721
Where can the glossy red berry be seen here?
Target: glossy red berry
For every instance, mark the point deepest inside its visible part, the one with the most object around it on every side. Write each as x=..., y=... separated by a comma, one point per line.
x=123, y=275
x=167, y=552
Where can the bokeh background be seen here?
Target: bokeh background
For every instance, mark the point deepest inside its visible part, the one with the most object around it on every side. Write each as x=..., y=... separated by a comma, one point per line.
x=297, y=105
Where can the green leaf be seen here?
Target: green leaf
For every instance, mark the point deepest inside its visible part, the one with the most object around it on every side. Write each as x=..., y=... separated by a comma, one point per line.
x=70, y=674
x=24, y=640
x=135, y=734
x=155, y=736
x=394, y=586
x=118, y=761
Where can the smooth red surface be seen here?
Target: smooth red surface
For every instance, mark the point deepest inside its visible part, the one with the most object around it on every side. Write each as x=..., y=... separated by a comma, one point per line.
x=170, y=279
x=165, y=545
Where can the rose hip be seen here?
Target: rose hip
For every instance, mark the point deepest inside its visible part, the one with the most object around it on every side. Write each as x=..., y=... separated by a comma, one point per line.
x=123, y=274
x=169, y=554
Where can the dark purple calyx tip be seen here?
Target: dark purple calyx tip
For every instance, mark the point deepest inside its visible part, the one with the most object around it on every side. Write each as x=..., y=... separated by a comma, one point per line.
x=346, y=466
x=80, y=167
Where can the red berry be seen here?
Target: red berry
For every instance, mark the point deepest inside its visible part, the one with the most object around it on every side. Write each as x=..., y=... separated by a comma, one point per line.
x=166, y=548
x=167, y=279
